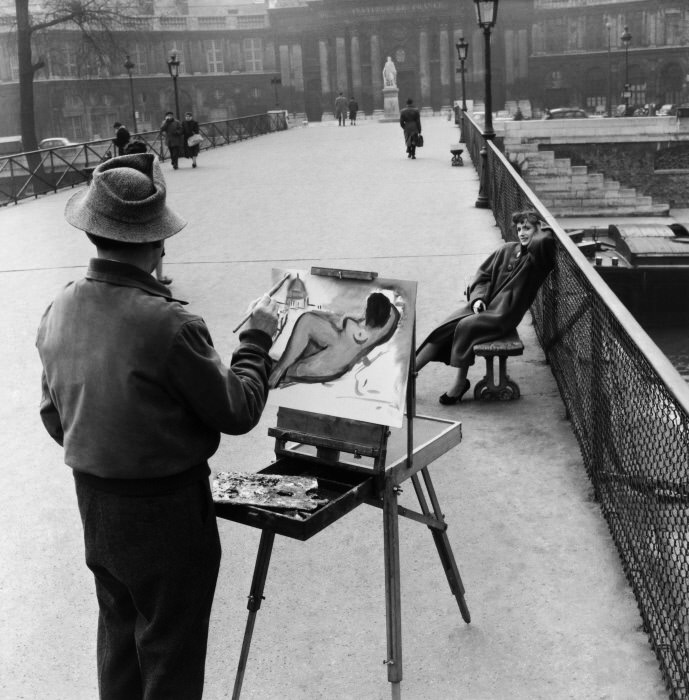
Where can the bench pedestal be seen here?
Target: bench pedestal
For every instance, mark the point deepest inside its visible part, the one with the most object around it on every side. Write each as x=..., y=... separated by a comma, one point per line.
x=456, y=151
x=505, y=389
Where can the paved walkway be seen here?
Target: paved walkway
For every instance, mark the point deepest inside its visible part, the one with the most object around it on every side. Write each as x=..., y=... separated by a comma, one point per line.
x=552, y=615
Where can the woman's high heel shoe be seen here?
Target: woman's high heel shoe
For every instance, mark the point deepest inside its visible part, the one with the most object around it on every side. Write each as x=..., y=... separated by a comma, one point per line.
x=450, y=400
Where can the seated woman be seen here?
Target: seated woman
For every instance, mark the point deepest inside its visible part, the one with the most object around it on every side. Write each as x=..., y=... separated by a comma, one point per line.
x=325, y=345
x=500, y=294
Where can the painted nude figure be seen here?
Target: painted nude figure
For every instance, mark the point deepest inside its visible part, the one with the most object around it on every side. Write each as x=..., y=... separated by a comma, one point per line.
x=324, y=345
x=389, y=74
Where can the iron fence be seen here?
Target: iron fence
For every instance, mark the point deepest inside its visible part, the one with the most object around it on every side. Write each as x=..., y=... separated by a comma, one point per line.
x=629, y=409
x=33, y=173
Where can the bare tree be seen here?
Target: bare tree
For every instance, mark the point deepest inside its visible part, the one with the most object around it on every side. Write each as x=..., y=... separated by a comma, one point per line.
x=94, y=20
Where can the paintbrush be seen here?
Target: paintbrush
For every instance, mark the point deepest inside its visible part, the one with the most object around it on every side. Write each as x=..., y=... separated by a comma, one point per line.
x=269, y=293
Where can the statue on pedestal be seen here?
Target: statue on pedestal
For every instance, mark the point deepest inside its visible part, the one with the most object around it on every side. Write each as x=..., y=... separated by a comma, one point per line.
x=389, y=74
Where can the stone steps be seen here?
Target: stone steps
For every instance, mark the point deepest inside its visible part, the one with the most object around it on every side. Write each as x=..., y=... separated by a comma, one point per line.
x=572, y=190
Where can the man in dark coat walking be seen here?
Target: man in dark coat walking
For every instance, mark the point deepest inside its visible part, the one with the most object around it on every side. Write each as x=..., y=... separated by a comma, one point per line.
x=410, y=121
x=174, y=137
x=121, y=139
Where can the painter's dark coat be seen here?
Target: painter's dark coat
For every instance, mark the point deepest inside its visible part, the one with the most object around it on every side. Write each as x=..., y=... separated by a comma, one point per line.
x=507, y=282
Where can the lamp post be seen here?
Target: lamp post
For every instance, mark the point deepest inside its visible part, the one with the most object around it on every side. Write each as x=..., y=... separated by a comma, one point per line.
x=626, y=40
x=486, y=15
x=129, y=67
x=608, y=26
x=275, y=82
x=173, y=66
x=462, y=52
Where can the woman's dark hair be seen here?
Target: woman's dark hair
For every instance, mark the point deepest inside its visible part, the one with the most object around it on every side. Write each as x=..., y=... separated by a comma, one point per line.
x=528, y=215
x=377, y=310
x=135, y=146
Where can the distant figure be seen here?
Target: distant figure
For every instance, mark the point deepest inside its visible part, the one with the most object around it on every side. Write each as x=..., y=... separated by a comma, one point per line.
x=518, y=115
x=410, y=121
x=190, y=127
x=121, y=139
x=353, y=109
x=174, y=137
x=324, y=345
x=389, y=74
x=341, y=110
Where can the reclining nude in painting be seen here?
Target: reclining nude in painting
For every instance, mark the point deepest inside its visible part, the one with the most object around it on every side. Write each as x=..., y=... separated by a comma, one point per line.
x=324, y=345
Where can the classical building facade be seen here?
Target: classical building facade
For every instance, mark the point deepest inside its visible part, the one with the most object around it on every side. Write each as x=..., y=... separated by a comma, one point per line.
x=239, y=57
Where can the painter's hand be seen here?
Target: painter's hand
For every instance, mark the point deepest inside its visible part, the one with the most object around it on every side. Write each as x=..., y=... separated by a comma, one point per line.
x=264, y=315
x=478, y=306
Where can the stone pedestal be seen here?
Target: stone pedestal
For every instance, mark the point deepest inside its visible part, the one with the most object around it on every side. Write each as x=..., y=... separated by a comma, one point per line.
x=391, y=104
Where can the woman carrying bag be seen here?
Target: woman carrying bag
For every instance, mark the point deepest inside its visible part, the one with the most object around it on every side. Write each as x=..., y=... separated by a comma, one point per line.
x=192, y=138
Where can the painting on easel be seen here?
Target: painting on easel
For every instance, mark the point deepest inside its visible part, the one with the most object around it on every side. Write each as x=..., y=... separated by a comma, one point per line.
x=343, y=345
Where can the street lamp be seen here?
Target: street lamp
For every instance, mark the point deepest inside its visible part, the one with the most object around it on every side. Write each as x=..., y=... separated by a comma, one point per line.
x=275, y=82
x=173, y=66
x=129, y=67
x=626, y=40
x=486, y=15
x=462, y=53
x=608, y=26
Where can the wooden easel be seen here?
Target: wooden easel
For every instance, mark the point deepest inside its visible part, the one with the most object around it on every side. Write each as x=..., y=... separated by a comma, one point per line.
x=313, y=444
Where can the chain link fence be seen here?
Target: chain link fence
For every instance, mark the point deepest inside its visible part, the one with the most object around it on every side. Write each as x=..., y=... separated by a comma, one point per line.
x=629, y=410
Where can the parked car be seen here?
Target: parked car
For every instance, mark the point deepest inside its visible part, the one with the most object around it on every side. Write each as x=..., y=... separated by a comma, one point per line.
x=565, y=113
x=55, y=142
x=667, y=111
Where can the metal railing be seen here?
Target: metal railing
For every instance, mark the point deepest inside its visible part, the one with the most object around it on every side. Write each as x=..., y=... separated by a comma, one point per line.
x=29, y=174
x=629, y=410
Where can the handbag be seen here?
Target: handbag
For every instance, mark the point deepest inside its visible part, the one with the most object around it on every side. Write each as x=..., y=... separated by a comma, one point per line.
x=419, y=141
x=194, y=140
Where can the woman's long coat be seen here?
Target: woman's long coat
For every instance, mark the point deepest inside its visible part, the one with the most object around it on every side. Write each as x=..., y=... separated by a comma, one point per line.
x=507, y=283
x=189, y=127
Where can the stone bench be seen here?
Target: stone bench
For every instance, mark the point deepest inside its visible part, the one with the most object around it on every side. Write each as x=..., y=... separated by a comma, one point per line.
x=456, y=150
x=505, y=389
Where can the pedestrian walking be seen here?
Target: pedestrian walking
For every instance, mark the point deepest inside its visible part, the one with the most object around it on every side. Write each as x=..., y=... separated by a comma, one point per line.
x=190, y=129
x=138, y=397
x=410, y=121
x=174, y=137
x=341, y=110
x=122, y=136
x=353, y=107
x=498, y=297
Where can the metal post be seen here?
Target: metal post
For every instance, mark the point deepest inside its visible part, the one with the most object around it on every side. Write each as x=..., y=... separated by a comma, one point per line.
x=483, y=202
x=609, y=100
x=488, y=132
x=626, y=39
x=173, y=66
x=129, y=66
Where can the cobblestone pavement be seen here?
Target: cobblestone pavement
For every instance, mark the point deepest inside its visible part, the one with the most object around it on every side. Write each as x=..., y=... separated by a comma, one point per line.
x=552, y=614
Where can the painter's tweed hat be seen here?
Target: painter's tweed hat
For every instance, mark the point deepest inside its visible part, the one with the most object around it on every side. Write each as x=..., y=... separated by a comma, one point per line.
x=125, y=202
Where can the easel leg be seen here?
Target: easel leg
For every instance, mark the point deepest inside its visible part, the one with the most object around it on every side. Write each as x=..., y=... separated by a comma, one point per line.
x=442, y=542
x=255, y=597
x=393, y=605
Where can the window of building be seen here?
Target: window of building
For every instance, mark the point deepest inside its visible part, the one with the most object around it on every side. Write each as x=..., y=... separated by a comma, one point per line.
x=14, y=66
x=139, y=59
x=637, y=86
x=214, y=57
x=253, y=55
x=69, y=66
x=251, y=21
x=596, y=89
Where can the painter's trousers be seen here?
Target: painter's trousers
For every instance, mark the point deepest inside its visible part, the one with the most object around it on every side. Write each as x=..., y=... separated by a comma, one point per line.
x=155, y=560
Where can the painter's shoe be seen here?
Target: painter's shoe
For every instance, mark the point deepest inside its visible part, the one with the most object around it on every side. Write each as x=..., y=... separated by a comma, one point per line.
x=451, y=400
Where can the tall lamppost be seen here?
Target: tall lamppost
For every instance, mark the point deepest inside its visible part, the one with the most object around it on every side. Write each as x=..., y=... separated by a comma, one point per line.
x=626, y=40
x=275, y=82
x=462, y=53
x=486, y=15
x=608, y=26
x=173, y=66
x=129, y=67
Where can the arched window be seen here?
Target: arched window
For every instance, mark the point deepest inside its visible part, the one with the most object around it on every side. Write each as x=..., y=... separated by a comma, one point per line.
x=637, y=86
x=595, y=90
x=671, y=82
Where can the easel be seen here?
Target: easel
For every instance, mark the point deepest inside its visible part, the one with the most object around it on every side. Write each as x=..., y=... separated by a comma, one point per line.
x=309, y=443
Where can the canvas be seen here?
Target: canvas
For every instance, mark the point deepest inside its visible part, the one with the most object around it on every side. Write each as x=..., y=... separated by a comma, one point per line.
x=343, y=346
